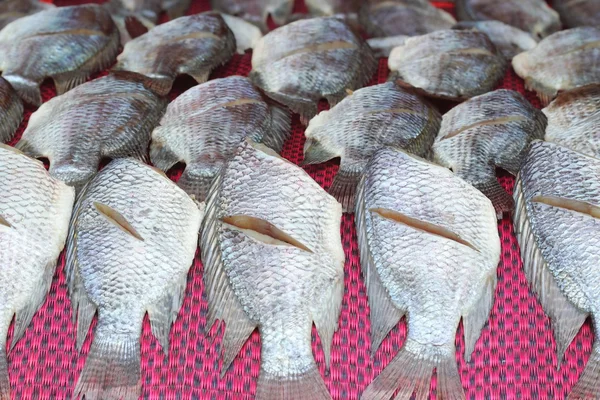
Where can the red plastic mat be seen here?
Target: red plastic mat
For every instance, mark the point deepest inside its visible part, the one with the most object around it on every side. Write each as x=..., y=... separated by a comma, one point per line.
x=515, y=357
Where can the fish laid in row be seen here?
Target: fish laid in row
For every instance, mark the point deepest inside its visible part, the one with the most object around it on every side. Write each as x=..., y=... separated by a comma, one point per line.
x=34, y=218
x=485, y=132
x=11, y=10
x=368, y=119
x=429, y=249
x=273, y=260
x=132, y=240
x=204, y=126
x=11, y=111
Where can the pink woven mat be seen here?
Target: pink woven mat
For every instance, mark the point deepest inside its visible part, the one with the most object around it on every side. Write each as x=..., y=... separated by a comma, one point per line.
x=515, y=357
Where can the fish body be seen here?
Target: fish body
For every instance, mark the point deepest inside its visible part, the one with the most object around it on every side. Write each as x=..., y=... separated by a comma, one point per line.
x=562, y=61
x=192, y=45
x=67, y=44
x=273, y=259
x=429, y=249
x=365, y=121
x=11, y=111
x=34, y=219
x=382, y=47
x=406, y=17
x=556, y=223
x=11, y=10
x=246, y=34
x=533, y=16
x=450, y=64
x=485, y=132
x=257, y=11
x=307, y=60
x=574, y=13
x=205, y=125
x=132, y=240
x=574, y=120
x=333, y=7
x=108, y=117
x=509, y=40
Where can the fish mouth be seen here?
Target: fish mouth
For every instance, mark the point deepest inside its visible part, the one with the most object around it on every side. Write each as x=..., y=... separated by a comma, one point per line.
x=582, y=207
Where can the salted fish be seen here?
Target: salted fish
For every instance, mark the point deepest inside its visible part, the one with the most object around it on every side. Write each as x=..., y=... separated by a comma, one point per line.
x=11, y=10
x=556, y=223
x=273, y=259
x=112, y=116
x=450, y=64
x=307, y=60
x=67, y=44
x=246, y=34
x=11, y=111
x=34, y=218
x=193, y=45
x=574, y=120
x=562, y=61
x=485, y=132
x=132, y=240
x=365, y=121
x=382, y=47
x=205, y=125
x=257, y=11
x=429, y=249
x=533, y=16
x=509, y=40
x=574, y=13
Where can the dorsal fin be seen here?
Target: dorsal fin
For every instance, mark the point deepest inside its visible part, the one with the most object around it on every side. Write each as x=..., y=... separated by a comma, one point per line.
x=117, y=219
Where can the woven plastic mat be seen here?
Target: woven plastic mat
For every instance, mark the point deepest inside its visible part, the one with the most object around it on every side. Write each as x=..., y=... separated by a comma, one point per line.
x=515, y=357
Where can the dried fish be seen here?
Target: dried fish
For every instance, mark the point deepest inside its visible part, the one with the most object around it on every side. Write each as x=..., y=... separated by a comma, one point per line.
x=509, y=40
x=246, y=34
x=257, y=11
x=11, y=111
x=574, y=13
x=11, y=10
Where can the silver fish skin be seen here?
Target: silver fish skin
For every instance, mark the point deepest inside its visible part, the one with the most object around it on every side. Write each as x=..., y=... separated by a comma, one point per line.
x=193, y=45
x=132, y=240
x=307, y=60
x=533, y=16
x=574, y=120
x=205, y=125
x=574, y=13
x=11, y=10
x=429, y=249
x=256, y=11
x=509, y=40
x=246, y=34
x=562, y=61
x=382, y=47
x=67, y=44
x=273, y=259
x=449, y=64
x=405, y=17
x=110, y=117
x=11, y=111
x=34, y=219
x=556, y=223
x=485, y=132
x=365, y=121
x=328, y=8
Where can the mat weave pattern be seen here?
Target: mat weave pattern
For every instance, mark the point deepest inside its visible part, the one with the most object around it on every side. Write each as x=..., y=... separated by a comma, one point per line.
x=515, y=357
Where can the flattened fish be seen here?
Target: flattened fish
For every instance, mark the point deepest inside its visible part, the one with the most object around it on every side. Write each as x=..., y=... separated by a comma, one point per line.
x=382, y=47
x=485, y=132
x=574, y=13
x=11, y=10
x=11, y=111
x=34, y=218
x=67, y=44
x=108, y=117
x=533, y=16
x=273, y=259
x=257, y=11
x=562, y=61
x=307, y=60
x=574, y=120
x=509, y=40
x=246, y=34
x=205, y=125
x=365, y=121
x=429, y=249
x=450, y=64
x=405, y=17
x=556, y=222
x=132, y=240
x=193, y=45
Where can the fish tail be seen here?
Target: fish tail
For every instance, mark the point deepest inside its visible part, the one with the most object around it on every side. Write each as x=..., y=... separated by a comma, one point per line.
x=4, y=379
x=502, y=201
x=27, y=89
x=588, y=385
x=306, y=385
x=112, y=367
x=411, y=372
x=344, y=186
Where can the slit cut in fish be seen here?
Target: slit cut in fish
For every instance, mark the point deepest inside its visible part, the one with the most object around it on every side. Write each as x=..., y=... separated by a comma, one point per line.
x=115, y=218
x=582, y=207
x=4, y=222
x=495, y=121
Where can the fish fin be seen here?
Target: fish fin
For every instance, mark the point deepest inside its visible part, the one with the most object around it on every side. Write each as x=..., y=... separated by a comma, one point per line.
x=512, y=165
x=161, y=85
x=176, y=8
x=85, y=314
x=223, y=305
x=343, y=187
x=162, y=155
x=566, y=319
x=27, y=89
x=588, y=385
x=4, y=377
x=112, y=368
x=68, y=80
x=200, y=76
x=134, y=27
x=306, y=385
x=195, y=184
x=502, y=201
x=475, y=320
x=280, y=128
x=316, y=153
